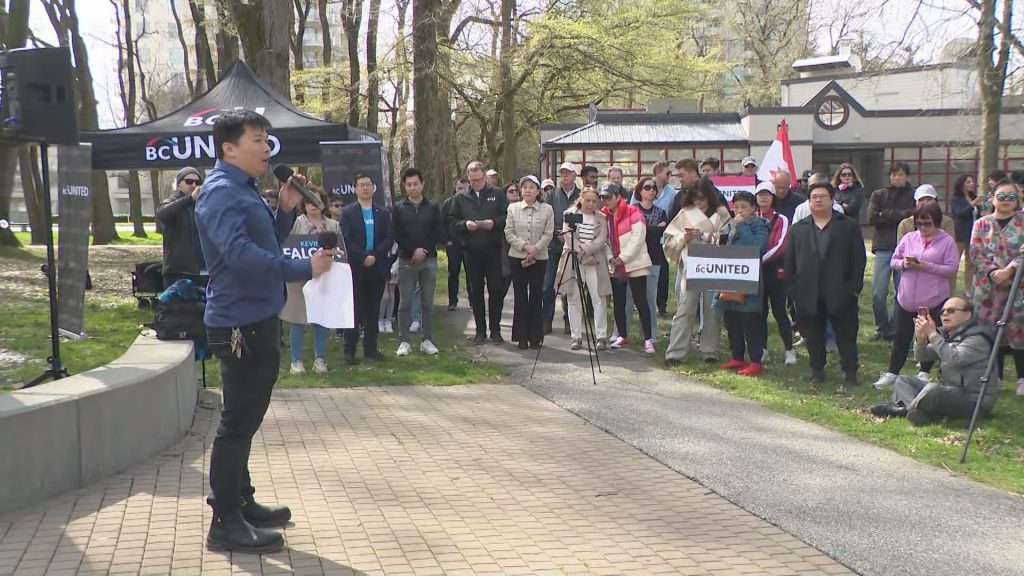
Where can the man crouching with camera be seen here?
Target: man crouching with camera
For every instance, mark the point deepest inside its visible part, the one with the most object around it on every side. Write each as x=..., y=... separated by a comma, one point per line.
x=241, y=236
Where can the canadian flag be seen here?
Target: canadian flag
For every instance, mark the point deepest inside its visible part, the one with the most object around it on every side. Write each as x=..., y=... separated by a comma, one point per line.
x=779, y=156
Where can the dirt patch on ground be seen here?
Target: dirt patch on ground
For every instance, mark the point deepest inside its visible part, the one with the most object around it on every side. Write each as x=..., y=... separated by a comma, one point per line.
x=109, y=266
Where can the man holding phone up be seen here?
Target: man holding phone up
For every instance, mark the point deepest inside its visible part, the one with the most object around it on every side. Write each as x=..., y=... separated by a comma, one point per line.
x=479, y=218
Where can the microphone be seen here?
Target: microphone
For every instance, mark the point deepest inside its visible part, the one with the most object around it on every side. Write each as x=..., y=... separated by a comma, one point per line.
x=328, y=240
x=283, y=173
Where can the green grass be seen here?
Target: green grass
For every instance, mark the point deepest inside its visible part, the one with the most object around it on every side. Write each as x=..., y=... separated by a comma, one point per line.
x=113, y=324
x=126, y=238
x=996, y=457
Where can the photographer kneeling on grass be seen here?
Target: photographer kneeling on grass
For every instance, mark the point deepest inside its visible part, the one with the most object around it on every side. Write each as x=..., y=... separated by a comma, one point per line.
x=961, y=347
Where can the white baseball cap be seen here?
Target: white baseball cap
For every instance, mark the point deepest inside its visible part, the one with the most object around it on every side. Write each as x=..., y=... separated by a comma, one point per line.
x=765, y=187
x=749, y=161
x=925, y=190
x=492, y=172
x=547, y=182
x=570, y=167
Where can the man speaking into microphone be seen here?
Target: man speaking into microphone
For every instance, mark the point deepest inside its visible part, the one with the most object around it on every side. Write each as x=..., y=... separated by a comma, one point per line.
x=240, y=237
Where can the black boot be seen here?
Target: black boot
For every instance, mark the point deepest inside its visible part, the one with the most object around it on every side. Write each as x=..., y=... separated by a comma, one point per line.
x=259, y=515
x=230, y=532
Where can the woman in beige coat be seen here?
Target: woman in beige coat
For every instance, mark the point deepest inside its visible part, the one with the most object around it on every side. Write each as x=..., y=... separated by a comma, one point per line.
x=311, y=221
x=590, y=240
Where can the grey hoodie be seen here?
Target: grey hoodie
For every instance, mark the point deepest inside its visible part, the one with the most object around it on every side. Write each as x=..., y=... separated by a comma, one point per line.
x=963, y=357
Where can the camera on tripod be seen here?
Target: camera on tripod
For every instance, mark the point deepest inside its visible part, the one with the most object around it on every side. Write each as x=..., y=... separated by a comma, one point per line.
x=573, y=219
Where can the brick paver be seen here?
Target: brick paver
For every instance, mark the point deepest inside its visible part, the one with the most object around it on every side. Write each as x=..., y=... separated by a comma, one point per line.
x=486, y=479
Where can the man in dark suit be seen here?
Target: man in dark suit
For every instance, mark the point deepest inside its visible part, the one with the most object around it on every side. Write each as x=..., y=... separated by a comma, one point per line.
x=479, y=216
x=825, y=263
x=369, y=236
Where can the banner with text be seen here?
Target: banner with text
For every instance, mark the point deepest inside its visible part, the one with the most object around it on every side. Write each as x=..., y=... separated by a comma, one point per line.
x=341, y=161
x=330, y=301
x=74, y=213
x=721, y=268
x=730, y=185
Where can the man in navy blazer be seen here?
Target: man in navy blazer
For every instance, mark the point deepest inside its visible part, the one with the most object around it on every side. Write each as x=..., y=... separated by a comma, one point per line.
x=369, y=236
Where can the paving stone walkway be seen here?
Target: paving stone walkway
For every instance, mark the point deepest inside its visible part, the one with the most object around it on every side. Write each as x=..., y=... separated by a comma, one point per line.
x=486, y=479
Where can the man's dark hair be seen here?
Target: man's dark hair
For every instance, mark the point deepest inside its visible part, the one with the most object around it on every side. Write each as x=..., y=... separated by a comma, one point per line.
x=462, y=180
x=713, y=162
x=826, y=185
x=587, y=170
x=968, y=305
x=410, y=172
x=1017, y=176
x=706, y=188
x=360, y=176
x=899, y=167
x=930, y=210
x=688, y=164
x=996, y=176
x=659, y=166
x=744, y=196
x=229, y=127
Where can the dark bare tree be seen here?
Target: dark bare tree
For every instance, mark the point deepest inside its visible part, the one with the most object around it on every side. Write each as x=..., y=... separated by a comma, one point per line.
x=351, y=21
x=206, y=73
x=302, y=9
x=992, y=63
x=14, y=32
x=128, y=89
x=186, y=66
x=372, y=77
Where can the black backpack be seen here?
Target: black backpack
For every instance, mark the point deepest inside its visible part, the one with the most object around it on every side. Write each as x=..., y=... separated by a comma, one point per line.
x=175, y=320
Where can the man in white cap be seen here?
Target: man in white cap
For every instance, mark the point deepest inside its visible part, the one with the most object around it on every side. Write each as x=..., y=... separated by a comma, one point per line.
x=183, y=255
x=492, y=178
x=545, y=189
x=749, y=167
x=926, y=194
x=561, y=198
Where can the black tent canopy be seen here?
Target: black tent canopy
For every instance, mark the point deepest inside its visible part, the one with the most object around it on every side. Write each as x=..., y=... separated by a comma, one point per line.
x=185, y=137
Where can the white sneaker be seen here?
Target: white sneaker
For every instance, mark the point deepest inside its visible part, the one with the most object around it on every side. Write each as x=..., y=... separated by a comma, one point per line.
x=618, y=343
x=320, y=366
x=388, y=327
x=886, y=381
x=380, y=326
x=298, y=368
x=403, y=349
x=414, y=327
x=924, y=376
x=790, y=358
x=1020, y=387
x=427, y=347
x=764, y=356
x=649, y=346
x=800, y=342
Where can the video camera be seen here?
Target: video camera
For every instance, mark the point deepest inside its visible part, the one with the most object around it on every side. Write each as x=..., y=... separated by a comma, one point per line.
x=573, y=219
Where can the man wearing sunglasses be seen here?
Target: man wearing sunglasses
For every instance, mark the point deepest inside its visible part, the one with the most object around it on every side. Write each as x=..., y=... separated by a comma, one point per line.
x=183, y=256
x=961, y=347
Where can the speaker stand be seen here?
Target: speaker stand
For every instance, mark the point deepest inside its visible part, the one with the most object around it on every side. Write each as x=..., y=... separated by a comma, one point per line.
x=56, y=371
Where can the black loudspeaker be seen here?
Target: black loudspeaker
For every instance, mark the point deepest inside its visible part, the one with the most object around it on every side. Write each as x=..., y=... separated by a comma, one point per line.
x=37, y=96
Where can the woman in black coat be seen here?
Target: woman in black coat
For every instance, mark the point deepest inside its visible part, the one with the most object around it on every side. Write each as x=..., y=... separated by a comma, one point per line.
x=849, y=190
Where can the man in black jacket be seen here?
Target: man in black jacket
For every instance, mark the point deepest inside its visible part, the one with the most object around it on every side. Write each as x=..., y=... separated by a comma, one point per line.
x=479, y=216
x=417, y=233
x=825, y=263
x=369, y=237
x=453, y=245
x=183, y=256
x=886, y=209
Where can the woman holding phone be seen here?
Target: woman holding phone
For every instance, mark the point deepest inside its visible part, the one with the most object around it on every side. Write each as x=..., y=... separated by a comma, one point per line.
x=928, y=258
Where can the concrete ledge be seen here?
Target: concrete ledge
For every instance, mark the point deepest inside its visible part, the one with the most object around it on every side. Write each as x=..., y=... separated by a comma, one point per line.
x=66, y=434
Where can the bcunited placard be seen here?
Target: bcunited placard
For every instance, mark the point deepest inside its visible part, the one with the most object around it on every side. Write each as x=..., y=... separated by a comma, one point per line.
x=74, y=207
x=720, y=268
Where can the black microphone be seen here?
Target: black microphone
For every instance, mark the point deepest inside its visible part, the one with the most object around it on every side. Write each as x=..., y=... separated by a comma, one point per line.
x=328, y=240
x=283, y=173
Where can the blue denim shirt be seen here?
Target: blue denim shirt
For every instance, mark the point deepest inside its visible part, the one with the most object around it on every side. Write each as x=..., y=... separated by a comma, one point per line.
x=241, y=239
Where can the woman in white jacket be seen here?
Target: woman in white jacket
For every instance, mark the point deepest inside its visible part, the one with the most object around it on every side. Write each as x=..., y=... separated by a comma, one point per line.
x=589, y=239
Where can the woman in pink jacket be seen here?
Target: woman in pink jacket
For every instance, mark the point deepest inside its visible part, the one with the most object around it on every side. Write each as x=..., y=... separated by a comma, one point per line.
x=928, y=258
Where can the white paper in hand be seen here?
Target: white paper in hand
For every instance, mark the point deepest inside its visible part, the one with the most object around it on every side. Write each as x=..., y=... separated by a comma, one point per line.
x=329, y=300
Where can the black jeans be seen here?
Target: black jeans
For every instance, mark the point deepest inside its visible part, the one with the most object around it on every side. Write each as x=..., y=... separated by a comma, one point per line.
x=246, y=383
x=662, y=301
x=528, y=316
x=844, y=323
x=1018, y=361
x=456, y=257
x=903, y=337
x=367, y=287
x=746, y=334
x=483, y=267
x=775, y=296
x=638, y=287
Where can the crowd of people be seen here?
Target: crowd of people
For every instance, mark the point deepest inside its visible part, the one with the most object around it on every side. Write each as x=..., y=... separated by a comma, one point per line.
x=594, y=245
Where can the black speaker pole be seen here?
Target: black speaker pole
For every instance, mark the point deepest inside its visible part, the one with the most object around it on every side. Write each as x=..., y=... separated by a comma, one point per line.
x=56, y=370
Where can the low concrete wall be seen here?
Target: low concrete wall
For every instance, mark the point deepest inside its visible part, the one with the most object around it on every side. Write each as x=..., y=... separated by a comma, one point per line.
x=70, y=433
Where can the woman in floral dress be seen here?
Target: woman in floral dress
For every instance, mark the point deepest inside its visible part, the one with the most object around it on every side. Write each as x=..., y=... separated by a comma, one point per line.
x=996, y=245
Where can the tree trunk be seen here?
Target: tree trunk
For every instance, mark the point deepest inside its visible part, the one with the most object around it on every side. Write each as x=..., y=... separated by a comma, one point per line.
x=431, y=111
x=351, y=20
x=372, y=79
x=508, y=118
x=226, y=37
x=12, y=35
x=302, y=8
x=206, y=73
x=135, y=204
x=991, y=80
x=273, y=61
x=31, y=185
x=154, y=190
x=328, y=50
x=187, y=67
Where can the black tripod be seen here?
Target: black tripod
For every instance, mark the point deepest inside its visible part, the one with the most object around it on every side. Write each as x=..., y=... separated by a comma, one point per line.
x=56, y=370
x=588, y=308
x=992, y=357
